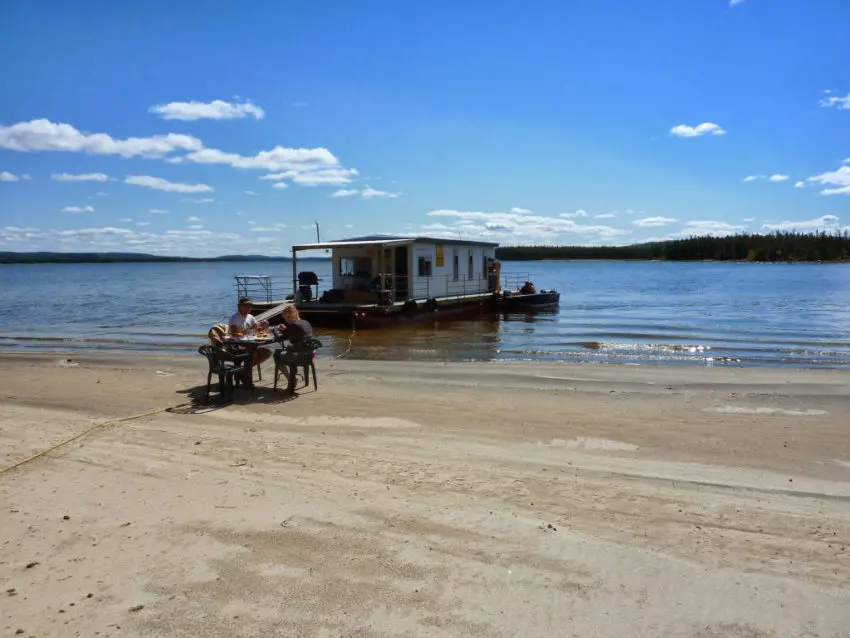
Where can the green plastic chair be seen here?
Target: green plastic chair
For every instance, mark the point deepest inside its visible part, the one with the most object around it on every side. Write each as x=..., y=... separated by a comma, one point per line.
x=226, y=365
x=304, y=359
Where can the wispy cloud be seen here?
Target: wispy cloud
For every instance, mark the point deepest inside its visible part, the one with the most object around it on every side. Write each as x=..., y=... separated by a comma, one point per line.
x=518, y=227
x=160, y=184
x=83, y=177
x=203, y=200
x=732, y=3
x=366, y=193
x=8, y=177
x=193, y=218
x=647, y=222
x=838, y=181
x=316, y=177
x=826, y=222
x=776, y=177
x=842, y=103
x=578, y=213
x=215, y=110
x=706, y=128
x=158, y=211
x=520, y=211
x=605, y=216
x=250, y=193
x=78, y=209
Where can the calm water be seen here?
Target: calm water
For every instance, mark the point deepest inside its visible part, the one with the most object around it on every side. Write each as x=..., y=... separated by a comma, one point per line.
x=612, y=312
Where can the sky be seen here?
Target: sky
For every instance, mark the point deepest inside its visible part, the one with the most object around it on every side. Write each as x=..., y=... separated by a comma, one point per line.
x=184, y=129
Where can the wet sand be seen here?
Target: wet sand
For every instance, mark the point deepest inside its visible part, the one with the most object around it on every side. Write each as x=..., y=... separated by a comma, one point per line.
x=420, y=499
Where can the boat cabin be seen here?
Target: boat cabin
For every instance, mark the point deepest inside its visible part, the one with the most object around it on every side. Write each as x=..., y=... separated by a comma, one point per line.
x=386, y=270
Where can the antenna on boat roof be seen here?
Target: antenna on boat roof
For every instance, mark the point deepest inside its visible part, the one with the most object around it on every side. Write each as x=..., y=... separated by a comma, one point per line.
x=319, y=237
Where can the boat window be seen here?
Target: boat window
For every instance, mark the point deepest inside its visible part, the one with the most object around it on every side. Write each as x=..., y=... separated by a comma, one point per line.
x=424, y=267
x=350, y=266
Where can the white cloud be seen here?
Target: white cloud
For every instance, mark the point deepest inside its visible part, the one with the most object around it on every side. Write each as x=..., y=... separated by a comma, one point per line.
x=715, y=228
x=191, y=242
x=250, y=193
x=252, y=222
x=518, y=227
x=316, y=177
x=749, y=219
x=158, y=211
x=277, y=159
x=732, y=3
x=838, y=179
x=752, y=178
x=193, y=218
x=369, y=193
x=826, y=222
x=102, y=194
x=265, y=229
x=653, y=221
x=143, y=223
x=195, y=227
x=777, y=178
x=215, y=110
x=520, y=211
x=280, y=226
x=800, y=184
x=706, y=128
x=280, y=185
x=126, y=220
x=605, y=216
x=44, y=135
x=267, y=240
x=578, y=213
x=84, y=177
x=8, y=177
x=78, y=209
x=366, y=193
x=160, y=184
x=203, y=200
x=842, y=103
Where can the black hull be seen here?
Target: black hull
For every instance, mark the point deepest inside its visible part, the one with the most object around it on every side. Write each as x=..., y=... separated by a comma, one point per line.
x=536, y=301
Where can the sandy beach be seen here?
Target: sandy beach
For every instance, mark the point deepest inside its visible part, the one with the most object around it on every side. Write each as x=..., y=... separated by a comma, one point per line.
x=424, y=499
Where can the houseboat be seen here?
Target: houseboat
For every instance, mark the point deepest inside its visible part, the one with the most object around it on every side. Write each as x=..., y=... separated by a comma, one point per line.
x=380, y=280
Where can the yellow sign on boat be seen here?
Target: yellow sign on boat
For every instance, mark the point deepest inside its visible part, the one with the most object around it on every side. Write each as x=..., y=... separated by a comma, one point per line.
x=441, y=258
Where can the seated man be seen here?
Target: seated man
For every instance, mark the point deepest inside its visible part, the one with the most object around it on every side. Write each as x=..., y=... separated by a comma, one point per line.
x=528, y=289
x=295, y=330
x=243, y=322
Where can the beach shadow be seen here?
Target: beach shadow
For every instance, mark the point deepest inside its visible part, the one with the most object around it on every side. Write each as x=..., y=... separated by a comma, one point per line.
x=263, y=394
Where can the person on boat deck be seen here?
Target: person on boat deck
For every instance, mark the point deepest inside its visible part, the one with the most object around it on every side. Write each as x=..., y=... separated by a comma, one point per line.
x=296, y=331
x=243, y=322
x=528, y=289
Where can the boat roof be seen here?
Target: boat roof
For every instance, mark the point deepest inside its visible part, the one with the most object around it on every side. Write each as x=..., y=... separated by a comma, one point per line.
x=391, y=240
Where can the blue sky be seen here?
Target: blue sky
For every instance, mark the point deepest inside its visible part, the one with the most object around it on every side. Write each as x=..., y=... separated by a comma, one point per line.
x=587, y=122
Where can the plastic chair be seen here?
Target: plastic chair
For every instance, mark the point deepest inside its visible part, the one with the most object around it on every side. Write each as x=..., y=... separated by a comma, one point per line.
x=305, y=359
x=226, y=366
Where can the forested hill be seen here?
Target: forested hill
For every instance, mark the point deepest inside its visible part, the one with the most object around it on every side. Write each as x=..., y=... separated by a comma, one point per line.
x=100, y=258
x=781, y=246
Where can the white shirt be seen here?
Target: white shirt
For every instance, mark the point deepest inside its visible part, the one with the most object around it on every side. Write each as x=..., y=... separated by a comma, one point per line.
x=243, y=323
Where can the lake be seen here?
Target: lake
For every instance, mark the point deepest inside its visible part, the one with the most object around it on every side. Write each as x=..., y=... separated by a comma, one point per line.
x=610, y=312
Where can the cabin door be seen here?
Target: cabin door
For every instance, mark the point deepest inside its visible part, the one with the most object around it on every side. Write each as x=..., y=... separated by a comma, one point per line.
x=402, y=274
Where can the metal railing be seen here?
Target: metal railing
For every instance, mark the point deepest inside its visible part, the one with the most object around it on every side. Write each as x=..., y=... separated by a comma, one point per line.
x=389, y=288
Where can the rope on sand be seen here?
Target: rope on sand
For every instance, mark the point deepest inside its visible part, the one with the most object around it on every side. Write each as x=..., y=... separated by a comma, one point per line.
x=79, y=436
x=350, y=337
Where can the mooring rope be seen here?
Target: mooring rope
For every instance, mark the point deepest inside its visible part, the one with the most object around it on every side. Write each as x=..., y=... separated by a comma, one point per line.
x=81, y=435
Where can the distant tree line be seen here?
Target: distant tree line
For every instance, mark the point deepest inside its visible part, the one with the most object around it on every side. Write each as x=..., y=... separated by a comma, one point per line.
x=773, y=247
